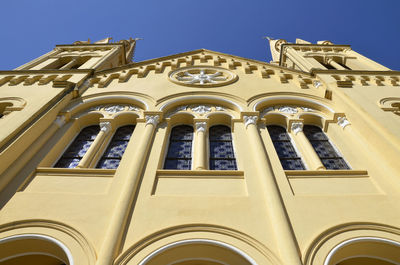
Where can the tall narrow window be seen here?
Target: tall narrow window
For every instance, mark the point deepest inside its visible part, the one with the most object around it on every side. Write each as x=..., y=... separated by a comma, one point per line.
x=324, y=149
x=113, y=154
x=78, y=147
x=179, y=154
x=222, y=156
x=288, y=156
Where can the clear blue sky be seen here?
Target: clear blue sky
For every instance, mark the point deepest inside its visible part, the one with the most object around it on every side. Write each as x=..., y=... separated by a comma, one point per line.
x=32, y=28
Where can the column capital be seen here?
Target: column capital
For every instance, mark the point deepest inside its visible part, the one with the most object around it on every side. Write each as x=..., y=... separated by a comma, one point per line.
x=60, y=120
x=342, y=122
x=297, y=127
x=152, y=119
x=250, y=120
x=105, y=126
x=201, y=126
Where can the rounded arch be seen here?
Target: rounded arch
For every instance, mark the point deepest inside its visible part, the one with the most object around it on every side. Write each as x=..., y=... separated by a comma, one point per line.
x=34, y=247
x=390, y=104
x=235, y=102
x=225, y=238
x=52, y=239
x=220, y=119
x=137, y=101
x=174, y=102
x=199, y=249
x=277, y=119
x=261, y=102
x=353, y=242
x=374, y=250
x=13, y=103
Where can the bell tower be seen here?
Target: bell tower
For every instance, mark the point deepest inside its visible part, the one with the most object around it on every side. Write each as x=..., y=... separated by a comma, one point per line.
x=100, y=55
x=323, y=55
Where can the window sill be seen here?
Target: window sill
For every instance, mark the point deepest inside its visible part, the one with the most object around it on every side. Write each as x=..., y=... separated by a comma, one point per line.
x=347, y=173
x=331, y=183
x=79, y=172
x=166, y=173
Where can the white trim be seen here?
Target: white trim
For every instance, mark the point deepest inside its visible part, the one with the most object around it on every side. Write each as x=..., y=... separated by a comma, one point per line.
x=199, y=97
x=298, y=98
x=198, y=259
x=368, y=256
x=30, y=253
x=197, y=241
x=42, y=237
x=355, y=240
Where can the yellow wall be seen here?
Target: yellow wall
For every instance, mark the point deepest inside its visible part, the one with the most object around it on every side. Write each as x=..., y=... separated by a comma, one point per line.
x=141, y=213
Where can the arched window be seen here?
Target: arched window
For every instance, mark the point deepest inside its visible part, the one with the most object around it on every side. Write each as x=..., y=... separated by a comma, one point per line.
x=288, y=156
x=179, y=155
x=330, y=158
x=222, y=156
x=113, y=154
x=78, y=148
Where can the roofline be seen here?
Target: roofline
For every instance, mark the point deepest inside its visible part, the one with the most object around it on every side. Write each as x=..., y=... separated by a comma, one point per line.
x=134, y=64
x=89, y=44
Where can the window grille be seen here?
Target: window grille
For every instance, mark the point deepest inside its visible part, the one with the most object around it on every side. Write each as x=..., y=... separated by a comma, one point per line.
x=288, y=156
x=115, y=150
x=78, y=148
x=324, y=149
x=179, y=155
x=222, y=156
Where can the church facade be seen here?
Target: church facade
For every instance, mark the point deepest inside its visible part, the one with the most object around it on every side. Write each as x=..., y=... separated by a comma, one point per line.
x=200, y=158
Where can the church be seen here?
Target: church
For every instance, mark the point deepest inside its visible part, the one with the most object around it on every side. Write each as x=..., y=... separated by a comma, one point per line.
x=200, y=158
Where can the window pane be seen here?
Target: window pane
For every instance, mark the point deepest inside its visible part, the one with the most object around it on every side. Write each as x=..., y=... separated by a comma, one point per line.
x=324, y=149
x=116, y=148
x=222, y=156
x=78, y=147
x=180, y=164
x=288, y=156
x=292, y=164
x=179, y=155
x=223, y=164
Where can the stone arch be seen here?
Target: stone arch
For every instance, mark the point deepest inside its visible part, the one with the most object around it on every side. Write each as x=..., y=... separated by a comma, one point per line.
x=391, y=104
x=137, y=101
x=196, y=239
x=304, y=101
x=10, y=104
x=366, y=250
x=34, y=248
x=174, y=102
x=208, y=251
x=348, y=244
x=52, y=241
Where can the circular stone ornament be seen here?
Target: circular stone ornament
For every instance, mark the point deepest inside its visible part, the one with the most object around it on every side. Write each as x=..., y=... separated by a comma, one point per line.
x=202, y=76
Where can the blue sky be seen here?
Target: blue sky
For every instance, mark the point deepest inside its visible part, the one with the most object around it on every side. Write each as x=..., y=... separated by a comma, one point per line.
x=32, y=28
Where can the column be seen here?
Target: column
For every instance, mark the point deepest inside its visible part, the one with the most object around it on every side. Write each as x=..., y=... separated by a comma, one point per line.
x=306, y=150
x=105, y=128
x=335, y=64
x=70, y=64
x=112, y=238
x=200, y=151
x=284, y=237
